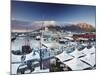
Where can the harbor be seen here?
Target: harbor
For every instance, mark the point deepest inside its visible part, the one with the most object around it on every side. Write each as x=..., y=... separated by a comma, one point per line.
x=35, y=52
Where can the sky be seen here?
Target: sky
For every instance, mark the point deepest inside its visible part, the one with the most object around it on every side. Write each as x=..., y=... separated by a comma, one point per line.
x=34, y=11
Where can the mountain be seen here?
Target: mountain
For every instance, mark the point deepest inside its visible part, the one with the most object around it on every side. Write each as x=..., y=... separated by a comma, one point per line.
x=72, y=28
x=52, y=26
x=80, y=27
x=86, y=27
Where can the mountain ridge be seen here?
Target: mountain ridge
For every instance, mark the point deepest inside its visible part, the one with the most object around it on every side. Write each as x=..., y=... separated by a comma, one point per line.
x=52, y=25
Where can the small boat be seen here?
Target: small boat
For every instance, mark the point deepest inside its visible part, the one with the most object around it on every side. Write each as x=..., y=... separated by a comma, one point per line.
x=25, y=50
x=12, y=39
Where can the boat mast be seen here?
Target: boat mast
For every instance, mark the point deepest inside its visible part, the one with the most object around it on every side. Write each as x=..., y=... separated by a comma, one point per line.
x=41, y=37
